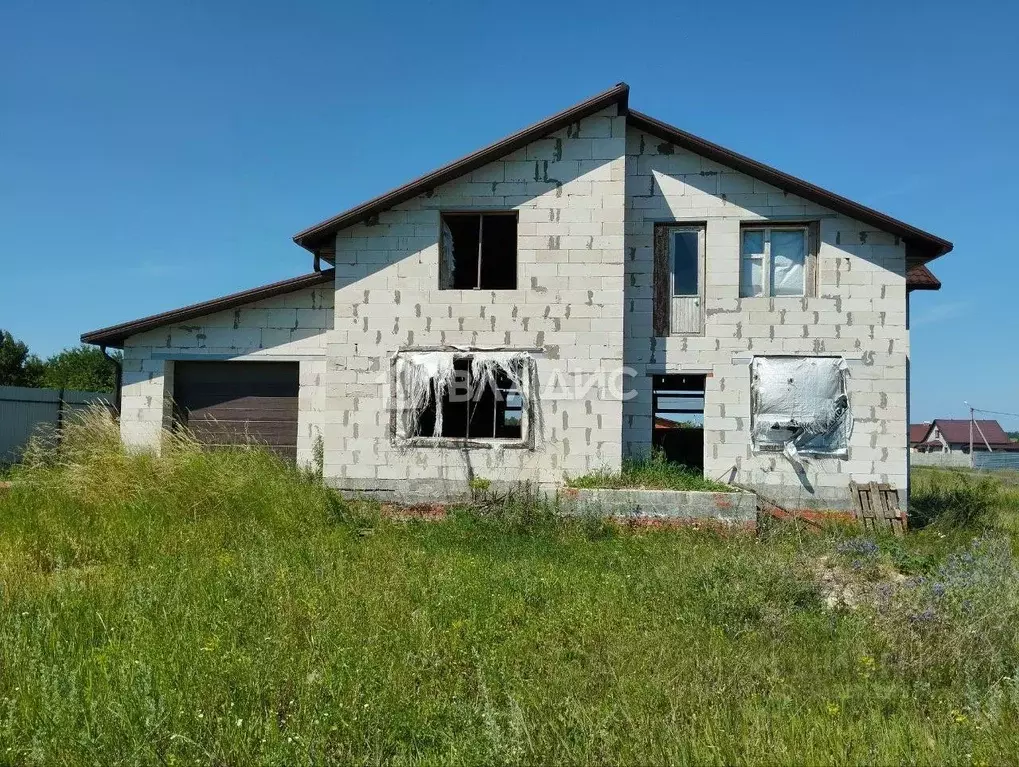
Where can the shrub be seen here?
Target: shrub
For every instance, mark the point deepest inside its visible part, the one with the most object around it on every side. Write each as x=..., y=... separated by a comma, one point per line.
x=521, y=510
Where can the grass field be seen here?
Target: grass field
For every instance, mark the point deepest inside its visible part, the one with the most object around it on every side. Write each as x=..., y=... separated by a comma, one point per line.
x=222, y=609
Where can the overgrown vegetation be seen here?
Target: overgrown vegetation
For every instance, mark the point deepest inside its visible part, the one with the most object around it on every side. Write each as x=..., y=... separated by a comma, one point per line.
x=956, y=497
x=221, y=608
x=651, y=472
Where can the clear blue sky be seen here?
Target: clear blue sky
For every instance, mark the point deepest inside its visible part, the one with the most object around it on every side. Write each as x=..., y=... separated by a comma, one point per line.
x=157, y=154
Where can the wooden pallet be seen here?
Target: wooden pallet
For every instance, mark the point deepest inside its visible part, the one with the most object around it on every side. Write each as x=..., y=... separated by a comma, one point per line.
x=877, y=507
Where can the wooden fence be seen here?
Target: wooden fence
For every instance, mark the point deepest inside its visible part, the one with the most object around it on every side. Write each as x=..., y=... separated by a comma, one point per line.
x=23, y=410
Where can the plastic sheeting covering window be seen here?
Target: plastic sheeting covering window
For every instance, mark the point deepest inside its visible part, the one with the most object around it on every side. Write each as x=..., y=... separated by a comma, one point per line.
x=752, y=281
x=773, y=262
x=788, y=261
x=422, y=376
x=801, y=406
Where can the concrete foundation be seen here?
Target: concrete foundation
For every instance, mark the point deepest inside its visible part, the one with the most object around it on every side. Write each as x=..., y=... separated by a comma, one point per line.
x=736, y=508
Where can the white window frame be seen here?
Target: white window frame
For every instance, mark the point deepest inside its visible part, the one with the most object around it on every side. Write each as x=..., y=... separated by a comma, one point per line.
x=766, y=269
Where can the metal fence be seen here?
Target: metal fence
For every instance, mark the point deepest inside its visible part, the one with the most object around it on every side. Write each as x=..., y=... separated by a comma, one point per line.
x=998, y=460
x=993, y=461
x=23, y=410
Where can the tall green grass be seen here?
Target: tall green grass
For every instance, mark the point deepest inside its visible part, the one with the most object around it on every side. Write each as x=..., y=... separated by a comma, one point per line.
x=220, y=608
x=651, y=472
x=956, y=498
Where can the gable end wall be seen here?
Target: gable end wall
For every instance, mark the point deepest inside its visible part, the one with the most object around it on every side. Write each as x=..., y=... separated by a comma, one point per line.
x=567, y=189
x=859, y=312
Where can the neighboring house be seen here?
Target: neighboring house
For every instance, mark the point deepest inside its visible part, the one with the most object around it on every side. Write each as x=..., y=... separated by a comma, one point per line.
x=536, y=272
x=944, y=435
x=917, y=434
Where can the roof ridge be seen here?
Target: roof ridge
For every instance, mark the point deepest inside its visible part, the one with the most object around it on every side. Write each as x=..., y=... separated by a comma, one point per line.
x=617, y=94
x=926, y=246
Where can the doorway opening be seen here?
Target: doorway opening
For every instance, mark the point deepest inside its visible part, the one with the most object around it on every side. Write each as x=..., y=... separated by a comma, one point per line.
x=677, y=402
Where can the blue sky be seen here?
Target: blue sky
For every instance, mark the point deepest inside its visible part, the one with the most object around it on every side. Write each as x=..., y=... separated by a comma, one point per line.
x=157, y=154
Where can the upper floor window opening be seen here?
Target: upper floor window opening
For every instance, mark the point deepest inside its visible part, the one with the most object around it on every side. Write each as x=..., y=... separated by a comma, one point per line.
x=478, y=251
x=776, y=261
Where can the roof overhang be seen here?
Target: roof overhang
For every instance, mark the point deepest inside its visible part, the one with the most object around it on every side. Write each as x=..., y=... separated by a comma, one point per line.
x=921, y=278
x=316, y=236
x=921, y=246
x=115, y=335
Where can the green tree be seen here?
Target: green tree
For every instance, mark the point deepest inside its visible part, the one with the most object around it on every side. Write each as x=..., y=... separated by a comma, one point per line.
x=84, y=368
x=17, y=366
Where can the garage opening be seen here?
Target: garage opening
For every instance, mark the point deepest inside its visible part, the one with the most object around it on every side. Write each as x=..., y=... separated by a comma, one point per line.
x=678, y=406
x=239, y=403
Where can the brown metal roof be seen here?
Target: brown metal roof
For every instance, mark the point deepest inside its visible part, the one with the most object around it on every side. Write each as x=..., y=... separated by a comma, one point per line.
x=917, y=432
x=956, y=431
x=116, y=334
x=315, y=235
x=922, y=246
x=926, y=246
x=921, y=278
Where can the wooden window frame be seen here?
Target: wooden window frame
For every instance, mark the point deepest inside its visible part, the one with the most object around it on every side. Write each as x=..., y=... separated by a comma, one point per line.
x=664, y=275
x=811, y=232
x=699, y=230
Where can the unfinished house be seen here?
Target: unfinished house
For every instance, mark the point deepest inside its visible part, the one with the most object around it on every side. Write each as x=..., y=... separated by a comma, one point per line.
x=592, y=287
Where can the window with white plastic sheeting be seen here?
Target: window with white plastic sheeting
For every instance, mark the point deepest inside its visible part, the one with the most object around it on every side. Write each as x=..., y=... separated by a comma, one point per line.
x=800, y=406
x=774, y=261
x=788, y=252
x=451, y=396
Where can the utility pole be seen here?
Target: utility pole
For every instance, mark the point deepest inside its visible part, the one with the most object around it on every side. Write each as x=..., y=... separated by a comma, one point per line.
x=971, y=419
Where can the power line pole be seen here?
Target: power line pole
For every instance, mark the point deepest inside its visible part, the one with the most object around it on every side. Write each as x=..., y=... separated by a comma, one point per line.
x=971, y=419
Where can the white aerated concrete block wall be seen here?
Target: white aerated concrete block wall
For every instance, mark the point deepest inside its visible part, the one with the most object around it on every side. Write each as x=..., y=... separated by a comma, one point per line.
x=569, y=191
x=290, y=327
x=859, y=312
x=587, y=198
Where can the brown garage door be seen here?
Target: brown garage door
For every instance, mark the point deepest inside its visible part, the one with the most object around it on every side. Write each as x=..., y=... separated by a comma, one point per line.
x=231, y=403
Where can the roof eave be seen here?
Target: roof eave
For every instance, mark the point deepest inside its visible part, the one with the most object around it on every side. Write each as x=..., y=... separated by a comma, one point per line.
x=926, y=246
x=314, y=236
x=921, y=278
x=115, y=335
